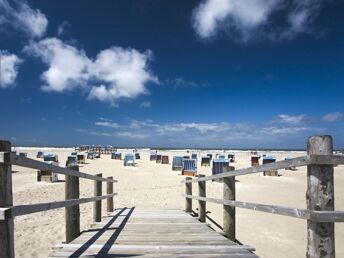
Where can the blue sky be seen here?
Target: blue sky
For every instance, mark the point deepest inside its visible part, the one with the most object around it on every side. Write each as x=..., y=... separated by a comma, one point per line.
x=211, y=73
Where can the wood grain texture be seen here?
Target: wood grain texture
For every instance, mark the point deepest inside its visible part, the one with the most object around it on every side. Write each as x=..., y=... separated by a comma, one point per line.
x=118, y=235
x=6, y=200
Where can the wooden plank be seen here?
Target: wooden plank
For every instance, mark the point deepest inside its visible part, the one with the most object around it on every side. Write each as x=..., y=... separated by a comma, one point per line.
x=163, y=248
x=320, y=197
x=229, y=211
x=32, y=208
x=72, y=213
x=296, y=162
x=6, y=200
x=109, y=190
x=175, y=237
x=202, y=204
x=35, y=164
x=188, y=202
x=280, y=210
x=327, y=216
x=97, y=205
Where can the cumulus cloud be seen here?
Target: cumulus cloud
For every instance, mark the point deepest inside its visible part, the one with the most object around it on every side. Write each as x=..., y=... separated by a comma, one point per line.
x=120, y=73
x=124, y=70
x=247, y=19
x=9, y=65
x=333, y=117
x=21, y=16
x=68, y=66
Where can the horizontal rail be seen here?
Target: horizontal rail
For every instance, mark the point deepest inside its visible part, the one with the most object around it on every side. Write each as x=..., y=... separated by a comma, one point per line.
x=35, y=164
x=317, y=216
x=10, y=212
x=296, y=162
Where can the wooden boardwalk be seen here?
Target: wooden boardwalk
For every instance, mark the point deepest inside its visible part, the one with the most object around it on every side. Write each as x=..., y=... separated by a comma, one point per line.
x=131, y=232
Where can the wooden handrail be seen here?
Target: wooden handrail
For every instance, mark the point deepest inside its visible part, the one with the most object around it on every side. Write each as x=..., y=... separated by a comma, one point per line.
x=35, y=164
x=320, y=213
x=19, y=210
x=295, y=162
x=71, y=204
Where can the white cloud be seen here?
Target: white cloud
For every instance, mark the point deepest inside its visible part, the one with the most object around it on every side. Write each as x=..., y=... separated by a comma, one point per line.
x=181, y=82
x=120, y=73
x=145, y=104
x=288, y=119
x=108, y=124
x=333, y=117
x=62, y=28
x=246, y=19
x=203, y=134
x=22, y=17
x=125, y=72
x=9, y=65
x=68, y=66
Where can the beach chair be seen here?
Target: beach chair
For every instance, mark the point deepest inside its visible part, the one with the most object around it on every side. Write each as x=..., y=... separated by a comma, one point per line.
x=158, y=158
x=189, y=167
x=90, y=155
x=231, y=157
x=205, y=161
x=152, y=157
x=129, y=159
x=137, y=155
x=255, y=160
x=71, y=161
x=118, y=155
x=219, y=166
x=194, y=156
x=177, y=163
x=46, y=175
x=80, y=158
x=267, y=160
x=40, y=154
x=113, y=155
x=164, y=159
x=220, y=156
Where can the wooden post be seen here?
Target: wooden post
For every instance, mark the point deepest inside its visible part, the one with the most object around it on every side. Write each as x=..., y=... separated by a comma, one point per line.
x=72, y=213
x=188, y=191
x=109, y=190
x=97, y=207
x=6, y=200
x=320, y=197
x=228, y=211
x=201, y=204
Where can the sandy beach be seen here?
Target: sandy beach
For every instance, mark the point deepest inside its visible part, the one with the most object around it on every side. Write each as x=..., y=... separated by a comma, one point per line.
x=152, y=185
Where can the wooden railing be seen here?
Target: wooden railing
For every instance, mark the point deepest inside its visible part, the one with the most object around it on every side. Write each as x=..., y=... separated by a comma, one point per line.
x=320, y=214
x=71, y=202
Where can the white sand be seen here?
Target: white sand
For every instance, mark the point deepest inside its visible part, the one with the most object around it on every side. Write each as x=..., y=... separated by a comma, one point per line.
x=151, y=185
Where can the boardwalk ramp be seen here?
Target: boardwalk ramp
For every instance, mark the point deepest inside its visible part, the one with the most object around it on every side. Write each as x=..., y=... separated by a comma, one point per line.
x=131, y=232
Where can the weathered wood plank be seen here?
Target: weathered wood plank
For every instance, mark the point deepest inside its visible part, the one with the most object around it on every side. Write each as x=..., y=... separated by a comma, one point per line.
x=32, y=208
x=35, y=164
x=296, y=162
x=320, y=197
x=280, y=210
x=6, y=200
x=118, y=235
